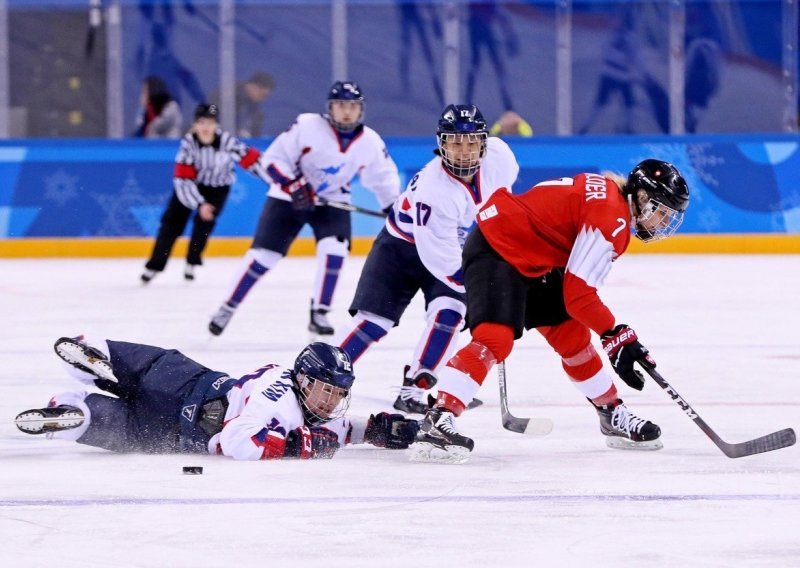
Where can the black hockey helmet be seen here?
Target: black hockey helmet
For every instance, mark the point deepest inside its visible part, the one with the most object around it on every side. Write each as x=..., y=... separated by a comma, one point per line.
x=456, y=122
x=660, y=197
x=345, y=91
x=205, y=110
x=323, y=375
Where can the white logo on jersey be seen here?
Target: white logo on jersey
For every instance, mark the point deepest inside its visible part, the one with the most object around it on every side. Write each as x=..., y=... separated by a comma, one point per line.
x=488, y=213
x=188, y=412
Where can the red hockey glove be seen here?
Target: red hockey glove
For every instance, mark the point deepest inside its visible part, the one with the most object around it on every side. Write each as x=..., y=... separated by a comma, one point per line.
x=390, y=431
x=623, y=349
x=302, y=194
x=311, y=443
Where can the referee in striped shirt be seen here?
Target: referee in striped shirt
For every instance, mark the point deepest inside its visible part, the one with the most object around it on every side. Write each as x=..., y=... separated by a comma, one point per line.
x=203, y=177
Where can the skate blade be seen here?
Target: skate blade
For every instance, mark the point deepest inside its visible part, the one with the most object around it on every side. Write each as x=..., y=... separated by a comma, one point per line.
x=619, y=443
x=34, y=422
x=426, y=452
x=74, y=355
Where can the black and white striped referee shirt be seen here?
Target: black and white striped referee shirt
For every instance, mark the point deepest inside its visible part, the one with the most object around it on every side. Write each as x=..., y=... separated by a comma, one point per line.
x=211, y=165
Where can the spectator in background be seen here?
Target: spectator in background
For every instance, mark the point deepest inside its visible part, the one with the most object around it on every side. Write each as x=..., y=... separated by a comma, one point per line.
x=159, y=114
x=250, y=96
x=511, y=124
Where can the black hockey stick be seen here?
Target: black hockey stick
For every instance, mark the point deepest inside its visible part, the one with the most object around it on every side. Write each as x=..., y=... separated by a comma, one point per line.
x=775, y=441
x=530, y=426
x=349, y=207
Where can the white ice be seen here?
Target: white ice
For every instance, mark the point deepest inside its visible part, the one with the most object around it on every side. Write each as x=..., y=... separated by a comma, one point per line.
x=722, y=328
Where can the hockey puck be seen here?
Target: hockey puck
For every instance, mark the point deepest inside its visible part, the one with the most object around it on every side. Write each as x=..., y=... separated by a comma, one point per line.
x=193, y=470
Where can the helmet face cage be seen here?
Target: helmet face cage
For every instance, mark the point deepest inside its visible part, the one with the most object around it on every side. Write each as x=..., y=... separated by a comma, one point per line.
x=345, y=91
x=324, y=375
x=458, y=161
x=462, y=125
x=321, y=402
x=655, y=220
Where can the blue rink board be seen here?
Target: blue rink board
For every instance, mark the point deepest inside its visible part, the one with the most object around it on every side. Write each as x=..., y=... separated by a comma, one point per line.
x=88, y=188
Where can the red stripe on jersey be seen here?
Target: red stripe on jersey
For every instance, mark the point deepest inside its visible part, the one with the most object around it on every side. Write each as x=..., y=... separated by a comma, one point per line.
x=273, y=446
x=474, y=189
x=250, y=158
x=400, y=231
x=185, y=171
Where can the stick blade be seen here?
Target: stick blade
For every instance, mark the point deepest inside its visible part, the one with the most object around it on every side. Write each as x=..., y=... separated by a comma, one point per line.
x=775, y=441
x=528, y=426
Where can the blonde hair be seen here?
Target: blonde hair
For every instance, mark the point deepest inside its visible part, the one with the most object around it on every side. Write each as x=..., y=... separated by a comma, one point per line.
x=617, y=178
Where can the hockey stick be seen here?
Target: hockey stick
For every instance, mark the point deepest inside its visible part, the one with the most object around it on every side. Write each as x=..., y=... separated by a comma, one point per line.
x=349, y=207
x=530, y=426
x=775, y=441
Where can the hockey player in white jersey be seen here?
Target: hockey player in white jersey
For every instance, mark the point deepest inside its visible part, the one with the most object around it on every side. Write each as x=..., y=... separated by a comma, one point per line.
x=318, y=156
x=164, y=402
x=420, y=249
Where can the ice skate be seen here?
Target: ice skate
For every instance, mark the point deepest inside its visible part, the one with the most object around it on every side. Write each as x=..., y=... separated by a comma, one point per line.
x=82, y=356
x=220, y=320
x=412, y=397
x=624, y=430
x=148, y=275
x=188, y=272
x=438, y=441
x=49, y=420
x=318, y=323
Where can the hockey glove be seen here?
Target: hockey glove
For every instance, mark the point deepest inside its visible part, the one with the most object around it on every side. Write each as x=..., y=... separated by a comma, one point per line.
x=390, y=431
x=302, y=194
x=623, y=349
x=311, y=443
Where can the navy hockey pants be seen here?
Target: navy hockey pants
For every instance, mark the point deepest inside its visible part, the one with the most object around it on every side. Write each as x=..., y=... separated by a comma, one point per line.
x=158, y=404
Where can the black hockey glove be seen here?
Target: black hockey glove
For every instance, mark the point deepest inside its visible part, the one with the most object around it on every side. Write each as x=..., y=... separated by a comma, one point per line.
x=302, y=194
x=390, y=431
x=623, y=349
x=311, y=443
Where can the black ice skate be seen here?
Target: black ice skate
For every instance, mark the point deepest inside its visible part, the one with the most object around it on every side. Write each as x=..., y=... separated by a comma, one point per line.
x=188, y=272
x=82, y=356
x=220, y=320
x=438, y=440
x=318, y=323
x=412, y=398
x=49, y=420
x=624, y=430
x=148, y=275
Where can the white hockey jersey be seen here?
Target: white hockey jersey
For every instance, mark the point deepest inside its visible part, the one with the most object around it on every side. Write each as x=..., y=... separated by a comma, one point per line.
x=262, y=410
x=437, y=209
x=313, y=148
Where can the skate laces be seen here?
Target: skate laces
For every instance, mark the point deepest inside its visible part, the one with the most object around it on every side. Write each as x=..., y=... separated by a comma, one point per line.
x=623, y=419
x=320, y=318
x=223, y=315
x=410, y=392
x=445, y=423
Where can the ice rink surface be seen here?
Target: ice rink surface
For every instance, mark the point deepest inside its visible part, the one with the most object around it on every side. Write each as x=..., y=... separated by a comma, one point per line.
x=722, y=328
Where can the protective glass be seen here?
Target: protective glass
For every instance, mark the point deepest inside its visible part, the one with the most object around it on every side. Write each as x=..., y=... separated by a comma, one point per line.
x=655, y=221
x=462, y=153
x=323, y=402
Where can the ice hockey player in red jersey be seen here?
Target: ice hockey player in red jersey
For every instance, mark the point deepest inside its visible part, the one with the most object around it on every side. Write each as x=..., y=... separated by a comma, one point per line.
x=536, y=260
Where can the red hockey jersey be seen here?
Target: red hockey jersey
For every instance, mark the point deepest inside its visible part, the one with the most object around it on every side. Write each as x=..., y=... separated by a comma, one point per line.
x=581, y=224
